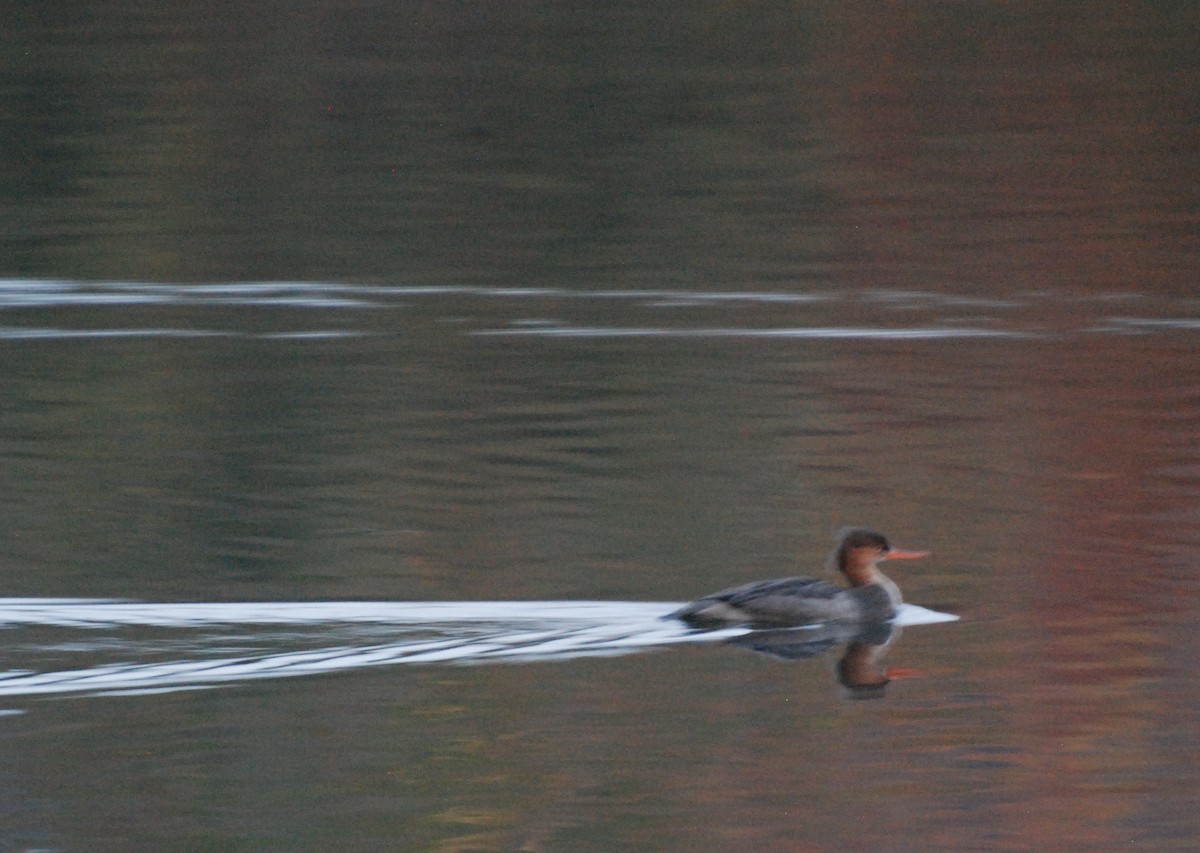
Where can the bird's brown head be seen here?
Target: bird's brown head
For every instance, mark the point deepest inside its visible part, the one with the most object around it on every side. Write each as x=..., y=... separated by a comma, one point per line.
x=861, y=546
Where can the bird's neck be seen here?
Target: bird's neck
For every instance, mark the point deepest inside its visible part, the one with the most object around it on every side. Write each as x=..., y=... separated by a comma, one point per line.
x=863, y=576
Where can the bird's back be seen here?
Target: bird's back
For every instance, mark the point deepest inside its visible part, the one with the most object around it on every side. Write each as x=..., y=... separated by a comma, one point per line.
x=781, y=602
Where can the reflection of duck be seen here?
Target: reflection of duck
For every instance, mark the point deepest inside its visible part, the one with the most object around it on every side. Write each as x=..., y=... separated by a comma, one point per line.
x=789, y=644
x=871, y=597
x=859, y=670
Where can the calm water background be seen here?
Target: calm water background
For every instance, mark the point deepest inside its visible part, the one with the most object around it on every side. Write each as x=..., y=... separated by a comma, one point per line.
x=619, y=302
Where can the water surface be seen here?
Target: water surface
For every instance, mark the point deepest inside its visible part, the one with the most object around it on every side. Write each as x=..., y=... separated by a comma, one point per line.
x=530, y=303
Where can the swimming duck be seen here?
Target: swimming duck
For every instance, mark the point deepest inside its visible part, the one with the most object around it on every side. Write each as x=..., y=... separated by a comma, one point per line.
x=790, y=602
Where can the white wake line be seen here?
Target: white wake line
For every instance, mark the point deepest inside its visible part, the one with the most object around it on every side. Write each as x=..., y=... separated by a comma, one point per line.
x=83, y=613
x=541, y=645
x=823, y=333
x=23, y=333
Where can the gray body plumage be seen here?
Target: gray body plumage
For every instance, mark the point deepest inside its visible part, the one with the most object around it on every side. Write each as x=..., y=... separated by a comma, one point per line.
x=792, y=602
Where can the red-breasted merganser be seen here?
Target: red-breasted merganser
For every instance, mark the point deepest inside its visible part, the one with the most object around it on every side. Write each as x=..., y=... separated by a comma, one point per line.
x=789, y=602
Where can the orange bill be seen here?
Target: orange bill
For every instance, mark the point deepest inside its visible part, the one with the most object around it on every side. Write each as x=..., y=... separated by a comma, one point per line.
x=897, y=554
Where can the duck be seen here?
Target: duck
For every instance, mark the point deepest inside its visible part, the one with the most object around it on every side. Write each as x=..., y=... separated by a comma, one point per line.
x=792, y=602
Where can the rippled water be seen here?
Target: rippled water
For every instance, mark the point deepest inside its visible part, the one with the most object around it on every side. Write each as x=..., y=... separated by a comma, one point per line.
x=472, y=335
x=346, y=309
